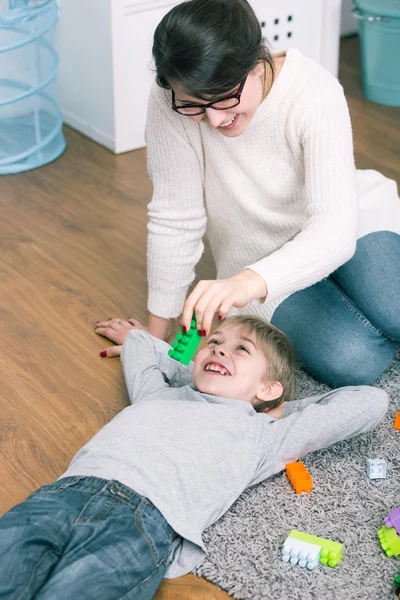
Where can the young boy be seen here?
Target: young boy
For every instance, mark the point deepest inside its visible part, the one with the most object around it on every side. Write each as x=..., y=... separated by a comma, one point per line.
x=133, y=504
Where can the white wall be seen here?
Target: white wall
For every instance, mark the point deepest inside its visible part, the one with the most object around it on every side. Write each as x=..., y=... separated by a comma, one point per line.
x=349, y=24
x=84, y=80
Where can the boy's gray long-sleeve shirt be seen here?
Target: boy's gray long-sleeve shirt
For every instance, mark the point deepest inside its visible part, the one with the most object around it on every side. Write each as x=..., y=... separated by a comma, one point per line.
x=193, y=454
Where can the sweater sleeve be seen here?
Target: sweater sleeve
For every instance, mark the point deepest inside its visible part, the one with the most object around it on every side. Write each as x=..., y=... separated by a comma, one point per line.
x=328, y=236
x=177, y=216
x=314, y=423
x=148, y=368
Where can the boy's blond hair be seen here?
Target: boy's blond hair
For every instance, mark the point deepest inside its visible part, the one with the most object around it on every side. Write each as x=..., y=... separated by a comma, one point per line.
x=277, y=349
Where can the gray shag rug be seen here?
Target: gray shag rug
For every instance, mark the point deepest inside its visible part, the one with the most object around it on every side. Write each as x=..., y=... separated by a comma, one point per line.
x=345, y=506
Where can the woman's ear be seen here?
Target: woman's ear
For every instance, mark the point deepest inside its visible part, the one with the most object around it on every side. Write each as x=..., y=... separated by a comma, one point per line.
x=259, y=69
x=269, y=390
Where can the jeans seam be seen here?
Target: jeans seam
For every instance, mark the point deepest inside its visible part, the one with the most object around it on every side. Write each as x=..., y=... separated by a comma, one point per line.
x=105, y=512
x=34, y=567
x=144, y=581
x=63, y=489
x=369, y=322
x=138, y=514
x=340, y=294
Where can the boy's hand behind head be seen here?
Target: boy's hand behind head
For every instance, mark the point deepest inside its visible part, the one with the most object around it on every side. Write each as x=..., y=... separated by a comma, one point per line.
x=276, y=412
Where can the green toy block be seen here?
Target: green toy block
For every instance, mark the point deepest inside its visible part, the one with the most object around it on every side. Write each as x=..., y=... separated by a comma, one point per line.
x=185, y=345
x=331, y=553
x=389, y=540
x=396, y=584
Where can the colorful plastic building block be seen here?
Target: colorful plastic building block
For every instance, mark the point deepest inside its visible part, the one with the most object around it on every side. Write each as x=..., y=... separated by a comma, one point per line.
x=301, y=553
x=331, y=552
x=389, y=533
x=393, y=520
x=389, y=540
x=185, y=345
x=299, y=477
x=396, y=584
x=376, y=468
x=396, y=424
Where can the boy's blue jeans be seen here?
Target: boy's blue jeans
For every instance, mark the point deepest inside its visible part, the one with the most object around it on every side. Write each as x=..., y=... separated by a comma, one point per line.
x=346, y=328
x=83, y=538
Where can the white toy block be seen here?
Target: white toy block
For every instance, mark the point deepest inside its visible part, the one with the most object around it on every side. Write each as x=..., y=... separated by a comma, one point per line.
x=376, y=468
x=301, y=553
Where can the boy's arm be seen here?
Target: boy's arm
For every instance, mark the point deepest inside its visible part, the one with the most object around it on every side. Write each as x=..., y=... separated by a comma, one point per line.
x=148, y=368
x=314, y=423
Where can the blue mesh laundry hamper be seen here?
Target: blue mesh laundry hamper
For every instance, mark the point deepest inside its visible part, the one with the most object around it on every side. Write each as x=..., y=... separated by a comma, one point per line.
x=30, y=120
x=380, y=49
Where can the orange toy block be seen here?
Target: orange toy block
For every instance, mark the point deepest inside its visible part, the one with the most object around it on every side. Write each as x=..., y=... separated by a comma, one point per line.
x=396, y=424
x=299, y=477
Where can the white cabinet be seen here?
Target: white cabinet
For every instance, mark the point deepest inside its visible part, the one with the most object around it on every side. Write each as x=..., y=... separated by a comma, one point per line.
x=312, y=26
x=105, y=57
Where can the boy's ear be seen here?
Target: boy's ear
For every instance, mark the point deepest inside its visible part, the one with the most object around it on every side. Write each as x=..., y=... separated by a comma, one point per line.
x=269, y=390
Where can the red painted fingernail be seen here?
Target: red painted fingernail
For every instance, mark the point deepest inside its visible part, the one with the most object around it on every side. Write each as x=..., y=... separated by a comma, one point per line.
x=220, y=318
x=200, y=332
x=184, y=328
x=103, y=354
x=204, y=333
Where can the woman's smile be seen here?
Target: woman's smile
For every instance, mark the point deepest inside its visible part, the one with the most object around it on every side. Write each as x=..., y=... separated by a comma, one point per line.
x=231, y=123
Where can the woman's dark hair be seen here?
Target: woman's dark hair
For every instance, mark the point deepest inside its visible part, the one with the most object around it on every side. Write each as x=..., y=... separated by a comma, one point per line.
x=208, y=46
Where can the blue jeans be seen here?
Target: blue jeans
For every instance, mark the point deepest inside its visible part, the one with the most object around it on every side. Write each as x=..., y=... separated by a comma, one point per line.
x=346, y=328
x=83, y=538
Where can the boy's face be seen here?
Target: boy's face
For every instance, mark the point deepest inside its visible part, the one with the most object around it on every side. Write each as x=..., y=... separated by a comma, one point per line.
x=232, y=365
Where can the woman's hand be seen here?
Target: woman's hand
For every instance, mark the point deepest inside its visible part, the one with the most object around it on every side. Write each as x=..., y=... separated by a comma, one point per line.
x=116, y=331
x=208, y=297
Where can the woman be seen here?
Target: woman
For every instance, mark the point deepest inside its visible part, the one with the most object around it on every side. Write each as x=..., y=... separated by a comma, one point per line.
x=257, y=150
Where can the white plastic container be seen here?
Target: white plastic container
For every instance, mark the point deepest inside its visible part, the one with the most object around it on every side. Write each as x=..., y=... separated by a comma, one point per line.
x=105, y=57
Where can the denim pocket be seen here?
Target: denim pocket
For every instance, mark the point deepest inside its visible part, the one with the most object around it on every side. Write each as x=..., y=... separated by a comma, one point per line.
x=156, y=531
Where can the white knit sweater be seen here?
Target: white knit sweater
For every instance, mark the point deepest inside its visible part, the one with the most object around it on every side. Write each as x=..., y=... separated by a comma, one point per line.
x=282, y=198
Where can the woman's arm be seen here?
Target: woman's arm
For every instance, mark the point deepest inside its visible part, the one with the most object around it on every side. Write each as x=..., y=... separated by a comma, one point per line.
x=177, y=216
x=177, y=219
x=328, y=236
x=159, y=327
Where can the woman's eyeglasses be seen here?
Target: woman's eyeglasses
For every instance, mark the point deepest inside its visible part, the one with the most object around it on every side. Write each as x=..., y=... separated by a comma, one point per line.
x=190, y=110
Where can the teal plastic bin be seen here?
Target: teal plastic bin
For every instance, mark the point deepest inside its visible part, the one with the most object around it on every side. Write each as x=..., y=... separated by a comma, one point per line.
x=380, y=49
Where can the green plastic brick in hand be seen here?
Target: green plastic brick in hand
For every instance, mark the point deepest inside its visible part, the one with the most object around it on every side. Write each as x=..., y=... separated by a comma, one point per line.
x=185, y=345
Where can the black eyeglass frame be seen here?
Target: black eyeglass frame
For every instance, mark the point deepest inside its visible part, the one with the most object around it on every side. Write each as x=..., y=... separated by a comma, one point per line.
x=202, y=107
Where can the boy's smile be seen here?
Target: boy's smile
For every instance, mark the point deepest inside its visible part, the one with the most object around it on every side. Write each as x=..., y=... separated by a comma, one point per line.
x=233, y=365
x=216, y=368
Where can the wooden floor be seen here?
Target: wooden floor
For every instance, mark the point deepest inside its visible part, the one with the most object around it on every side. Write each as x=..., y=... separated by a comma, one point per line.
x=73, y=250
